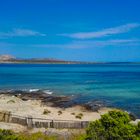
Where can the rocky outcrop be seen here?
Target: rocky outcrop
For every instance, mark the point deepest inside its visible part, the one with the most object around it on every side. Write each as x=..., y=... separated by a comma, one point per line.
x=46, y=99
x=94, y=105
x=56, y=101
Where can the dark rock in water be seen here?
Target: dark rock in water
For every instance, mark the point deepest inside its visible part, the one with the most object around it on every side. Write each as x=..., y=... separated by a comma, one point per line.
x=133, y=116
x=60, y=101
x=57, y=101
x=94, y=105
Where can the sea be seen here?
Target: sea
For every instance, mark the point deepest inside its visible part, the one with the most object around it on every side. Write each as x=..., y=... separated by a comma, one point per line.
x=117, y=84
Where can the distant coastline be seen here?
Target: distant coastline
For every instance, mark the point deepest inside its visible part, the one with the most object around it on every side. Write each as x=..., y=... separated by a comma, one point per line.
x=5, y=59
x=8, y=59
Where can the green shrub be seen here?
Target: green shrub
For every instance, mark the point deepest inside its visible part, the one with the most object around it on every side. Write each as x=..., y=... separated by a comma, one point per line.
x=138, y=130
x=112, y=126
x=59, y=112
x=9, y=135
x=79, y=116
x=73, y=113
x=46, y=111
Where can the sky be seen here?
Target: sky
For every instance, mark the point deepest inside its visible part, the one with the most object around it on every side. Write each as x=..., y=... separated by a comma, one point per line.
x=82, y=30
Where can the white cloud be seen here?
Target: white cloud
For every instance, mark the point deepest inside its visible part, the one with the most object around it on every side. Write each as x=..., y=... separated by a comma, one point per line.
x=20, y=33
x=91, y=44
x=105, y=32
x=106, y=43
x=81, y=44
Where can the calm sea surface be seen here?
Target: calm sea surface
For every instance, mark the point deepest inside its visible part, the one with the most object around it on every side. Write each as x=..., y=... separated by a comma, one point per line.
x=117, y=84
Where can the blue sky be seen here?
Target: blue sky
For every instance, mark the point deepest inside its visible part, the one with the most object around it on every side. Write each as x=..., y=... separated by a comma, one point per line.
x=86, y=30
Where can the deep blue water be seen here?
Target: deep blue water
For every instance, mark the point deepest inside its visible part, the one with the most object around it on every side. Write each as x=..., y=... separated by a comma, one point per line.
x=118, y=84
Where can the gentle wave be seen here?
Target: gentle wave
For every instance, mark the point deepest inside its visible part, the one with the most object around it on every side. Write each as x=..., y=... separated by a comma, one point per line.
x=48, y=92
x=28, y=90
x=33, y=90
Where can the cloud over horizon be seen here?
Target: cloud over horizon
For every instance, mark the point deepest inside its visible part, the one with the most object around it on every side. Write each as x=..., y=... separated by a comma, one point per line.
x=105, y=43
x=17, y=32
x=81, y=44
x=102, y=33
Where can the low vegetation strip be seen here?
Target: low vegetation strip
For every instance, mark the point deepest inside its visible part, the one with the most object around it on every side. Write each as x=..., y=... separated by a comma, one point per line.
x=114, y=125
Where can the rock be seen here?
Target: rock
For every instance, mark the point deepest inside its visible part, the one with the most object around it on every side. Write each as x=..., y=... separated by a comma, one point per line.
x=132, y=116
x=94, y=105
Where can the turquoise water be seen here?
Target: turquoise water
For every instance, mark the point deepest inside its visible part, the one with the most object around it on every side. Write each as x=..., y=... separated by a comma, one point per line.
x=117, y=84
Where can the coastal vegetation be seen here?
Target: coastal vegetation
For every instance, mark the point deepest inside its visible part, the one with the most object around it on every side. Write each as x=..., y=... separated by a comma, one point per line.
x=46, y=111
x=79, y=116
x=72, y=113
x=60, y=112
x=115, y=125
x=9, y=135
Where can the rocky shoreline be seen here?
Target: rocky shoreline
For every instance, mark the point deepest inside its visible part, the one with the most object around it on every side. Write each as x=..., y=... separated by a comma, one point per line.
x=59, y=101
x=41, y=106
x=54, y=100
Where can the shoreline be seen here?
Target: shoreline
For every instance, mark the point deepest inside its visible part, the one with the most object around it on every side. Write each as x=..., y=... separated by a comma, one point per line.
x=48, y=98
x=40, y=105
x=44, y=108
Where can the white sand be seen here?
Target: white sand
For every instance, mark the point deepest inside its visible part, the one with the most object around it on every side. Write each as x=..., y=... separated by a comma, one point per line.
x=35, y=109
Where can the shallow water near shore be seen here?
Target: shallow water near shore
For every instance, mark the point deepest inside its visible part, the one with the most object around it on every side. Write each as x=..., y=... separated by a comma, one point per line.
x=117, y=84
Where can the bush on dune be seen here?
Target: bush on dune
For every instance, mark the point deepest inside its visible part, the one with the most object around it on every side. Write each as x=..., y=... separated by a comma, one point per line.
x=113, y=126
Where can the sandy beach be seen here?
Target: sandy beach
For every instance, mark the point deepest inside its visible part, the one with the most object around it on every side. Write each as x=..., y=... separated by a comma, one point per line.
x=35, y=109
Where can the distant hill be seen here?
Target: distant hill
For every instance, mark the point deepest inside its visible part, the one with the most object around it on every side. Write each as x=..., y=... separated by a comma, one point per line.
x=12, y=59
x=6, y=57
